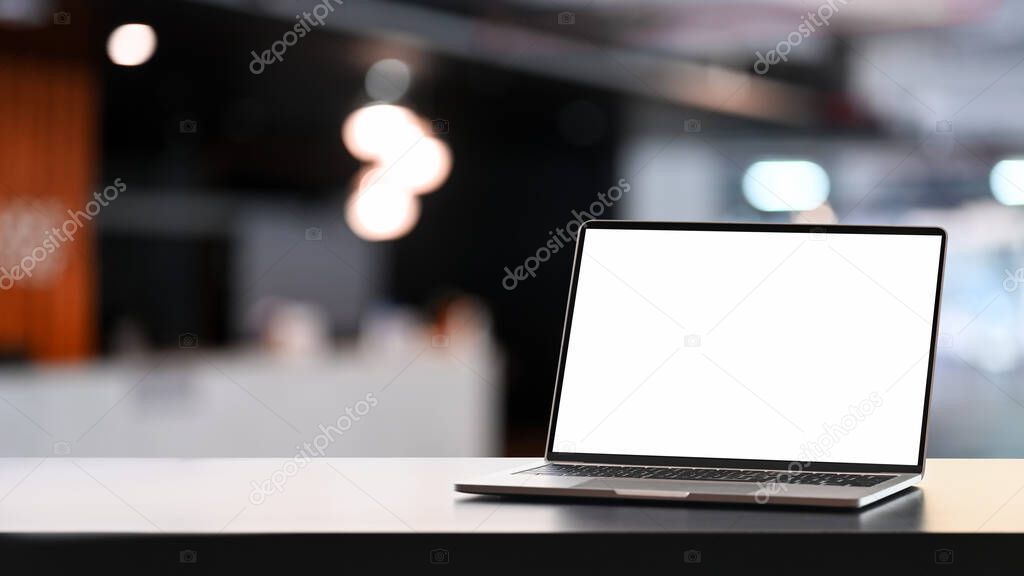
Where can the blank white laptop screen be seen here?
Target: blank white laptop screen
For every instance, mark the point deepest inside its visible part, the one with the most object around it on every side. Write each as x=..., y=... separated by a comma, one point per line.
x=749, y=345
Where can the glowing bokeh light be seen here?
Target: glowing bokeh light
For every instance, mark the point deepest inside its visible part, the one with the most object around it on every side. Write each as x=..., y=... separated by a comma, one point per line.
x=381, y=132
x=131, y=44
x=382, y=212
x=422, y=169
x=785, y=185
x=1007, y=182
x=388, y=80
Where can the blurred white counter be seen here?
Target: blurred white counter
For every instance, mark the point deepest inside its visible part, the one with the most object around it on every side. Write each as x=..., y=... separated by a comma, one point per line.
x=431, y=398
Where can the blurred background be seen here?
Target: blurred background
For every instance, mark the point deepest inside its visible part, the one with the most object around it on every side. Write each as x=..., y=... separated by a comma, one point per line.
x=230, y=226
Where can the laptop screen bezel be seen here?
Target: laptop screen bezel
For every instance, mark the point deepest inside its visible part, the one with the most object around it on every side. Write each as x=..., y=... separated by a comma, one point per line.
x=652, y=460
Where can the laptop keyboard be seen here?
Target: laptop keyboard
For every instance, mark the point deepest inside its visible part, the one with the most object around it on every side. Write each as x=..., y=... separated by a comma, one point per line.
x=715, y=474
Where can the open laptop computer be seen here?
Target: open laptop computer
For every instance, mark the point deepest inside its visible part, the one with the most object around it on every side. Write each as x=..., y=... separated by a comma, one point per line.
x=761, y=363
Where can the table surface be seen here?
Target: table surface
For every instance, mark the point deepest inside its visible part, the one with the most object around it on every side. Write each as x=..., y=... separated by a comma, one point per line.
x=336, y=495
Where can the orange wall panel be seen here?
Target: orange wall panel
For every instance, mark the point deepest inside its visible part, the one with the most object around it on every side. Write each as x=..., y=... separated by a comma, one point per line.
x=48, y=156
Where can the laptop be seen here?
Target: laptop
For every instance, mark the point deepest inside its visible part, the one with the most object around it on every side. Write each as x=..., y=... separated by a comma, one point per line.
x=776, y=364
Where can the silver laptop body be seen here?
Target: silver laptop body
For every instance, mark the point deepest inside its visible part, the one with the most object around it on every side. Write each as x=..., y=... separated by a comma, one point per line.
x=714, y=362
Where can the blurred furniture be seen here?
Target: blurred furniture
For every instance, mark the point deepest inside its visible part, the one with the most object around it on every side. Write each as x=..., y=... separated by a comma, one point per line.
x=427, y=401
x=407, y=495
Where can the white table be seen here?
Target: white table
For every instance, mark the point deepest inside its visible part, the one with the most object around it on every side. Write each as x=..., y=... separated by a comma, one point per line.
x=402, y=495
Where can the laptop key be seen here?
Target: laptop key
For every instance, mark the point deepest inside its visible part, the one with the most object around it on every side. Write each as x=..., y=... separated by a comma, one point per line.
x=711, y=474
